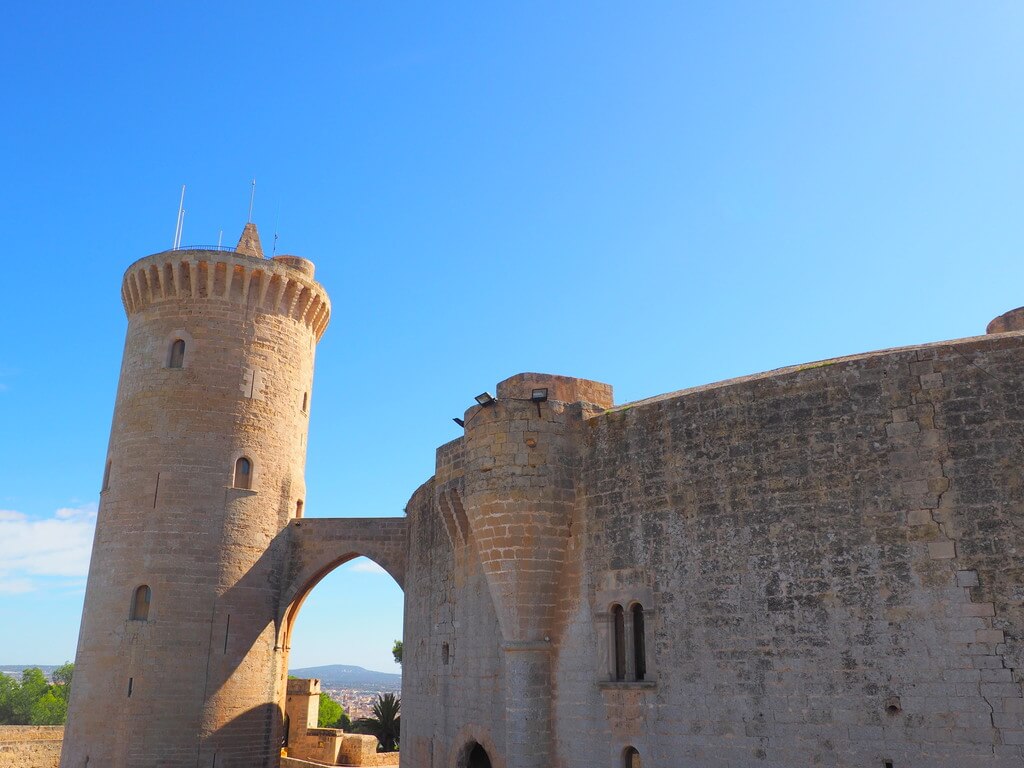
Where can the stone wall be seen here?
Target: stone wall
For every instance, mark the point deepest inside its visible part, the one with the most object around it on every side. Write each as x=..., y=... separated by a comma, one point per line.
x=452, y=673
x=382, y=758
x=30, y=746
x=827, y=558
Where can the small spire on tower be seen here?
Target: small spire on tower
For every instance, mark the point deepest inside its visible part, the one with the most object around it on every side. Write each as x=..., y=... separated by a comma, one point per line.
x=249, y=242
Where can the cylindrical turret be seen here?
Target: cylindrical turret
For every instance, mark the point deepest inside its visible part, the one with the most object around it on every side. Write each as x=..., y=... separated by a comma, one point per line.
x=520, y=459
x=176, y=661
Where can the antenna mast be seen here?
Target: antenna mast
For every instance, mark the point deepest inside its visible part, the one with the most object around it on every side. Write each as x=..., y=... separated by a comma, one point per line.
x=181, y=228
x=181, y=220
x=277, y=221
x=252, y=196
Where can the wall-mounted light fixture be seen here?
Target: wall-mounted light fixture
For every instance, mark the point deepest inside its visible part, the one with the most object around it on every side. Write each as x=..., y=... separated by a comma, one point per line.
x=538, y=396
x=459, y=421
x=485, y=399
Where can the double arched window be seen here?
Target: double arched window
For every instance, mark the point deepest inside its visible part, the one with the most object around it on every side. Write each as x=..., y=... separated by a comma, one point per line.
x=140, y=603
x=243, y=473
x=629, y=643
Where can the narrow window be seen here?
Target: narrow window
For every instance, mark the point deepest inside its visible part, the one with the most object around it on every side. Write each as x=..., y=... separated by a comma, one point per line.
x=305, y=402
x=298, y=509
x=106, y=476
x=619, y=629
x=639, y=650
x=177, y=356
x=631, y=758
x=243, y=473
x=140, y=603
x=445, y=653
x=131, y=686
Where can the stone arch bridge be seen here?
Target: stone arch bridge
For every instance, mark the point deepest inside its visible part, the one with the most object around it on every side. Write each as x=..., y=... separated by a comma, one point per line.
x=319, y=545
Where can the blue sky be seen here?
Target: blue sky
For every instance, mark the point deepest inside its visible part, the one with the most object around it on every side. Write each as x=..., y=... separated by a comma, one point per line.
x=654, y=195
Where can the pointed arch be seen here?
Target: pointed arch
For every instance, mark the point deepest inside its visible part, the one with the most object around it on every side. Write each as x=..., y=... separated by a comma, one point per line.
x=320, y=545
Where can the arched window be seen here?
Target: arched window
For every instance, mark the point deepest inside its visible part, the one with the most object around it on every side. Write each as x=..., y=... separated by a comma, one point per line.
x=631, y=758
x=140, y=603
x=177, y=357
x=298, y=509
x=243, y=473
x=639, y=648
x=619, y=630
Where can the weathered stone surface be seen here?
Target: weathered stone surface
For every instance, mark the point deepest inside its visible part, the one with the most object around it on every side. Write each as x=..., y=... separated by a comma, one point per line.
x=1008, y=321
x=809, y=545
x=30, y=746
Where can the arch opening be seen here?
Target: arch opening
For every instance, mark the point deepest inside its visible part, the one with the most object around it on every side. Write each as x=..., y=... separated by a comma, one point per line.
x=243, y=474
x=140, y=603
x=474, y=756
x=639, y=642
x=619, y=633
x=176, y=355
x=345, y=653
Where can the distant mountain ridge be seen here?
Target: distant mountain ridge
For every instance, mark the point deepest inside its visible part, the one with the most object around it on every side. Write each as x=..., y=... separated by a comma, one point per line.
x=348, y=676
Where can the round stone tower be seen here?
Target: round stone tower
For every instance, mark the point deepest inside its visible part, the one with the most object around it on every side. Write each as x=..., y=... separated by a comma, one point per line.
x=176, y=661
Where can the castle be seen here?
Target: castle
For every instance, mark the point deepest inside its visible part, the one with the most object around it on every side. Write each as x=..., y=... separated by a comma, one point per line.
x=820, y=565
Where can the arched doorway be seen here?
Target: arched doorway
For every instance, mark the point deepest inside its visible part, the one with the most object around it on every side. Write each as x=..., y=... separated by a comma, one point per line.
x=474, y=756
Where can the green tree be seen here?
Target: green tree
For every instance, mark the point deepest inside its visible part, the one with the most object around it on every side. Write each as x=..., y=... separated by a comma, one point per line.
x=33, y=700
x=8, y=690
x=385, y=723
x=49, y=709
x=396, y=651
x=332, y=714
x=33, y=687
x=62, y=681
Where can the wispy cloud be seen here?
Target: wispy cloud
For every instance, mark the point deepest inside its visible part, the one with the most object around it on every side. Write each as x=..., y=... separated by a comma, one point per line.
x=36, y=548
x=362, y=565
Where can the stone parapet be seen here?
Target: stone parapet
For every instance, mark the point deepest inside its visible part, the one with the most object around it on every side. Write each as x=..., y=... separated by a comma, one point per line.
x=30, y=746
x=564, y=389
x=283, y=285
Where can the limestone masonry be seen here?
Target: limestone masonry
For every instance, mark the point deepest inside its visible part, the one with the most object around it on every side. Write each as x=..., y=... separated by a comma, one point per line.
x=819, y=565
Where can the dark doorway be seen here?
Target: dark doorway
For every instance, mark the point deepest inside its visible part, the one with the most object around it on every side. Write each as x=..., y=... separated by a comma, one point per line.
x=478, y=758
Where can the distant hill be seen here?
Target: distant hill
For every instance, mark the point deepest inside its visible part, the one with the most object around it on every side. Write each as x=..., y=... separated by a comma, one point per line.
x=346, y=676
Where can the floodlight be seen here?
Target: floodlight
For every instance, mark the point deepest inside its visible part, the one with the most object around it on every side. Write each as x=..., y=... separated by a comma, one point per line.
x=484, y=398
x=539, y=395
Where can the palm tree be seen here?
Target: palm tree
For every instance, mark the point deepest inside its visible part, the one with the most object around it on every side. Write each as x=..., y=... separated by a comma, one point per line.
x=385, y=722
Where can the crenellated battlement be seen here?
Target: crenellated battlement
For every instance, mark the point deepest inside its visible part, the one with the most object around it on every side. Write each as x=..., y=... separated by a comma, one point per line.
x=283, y=285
